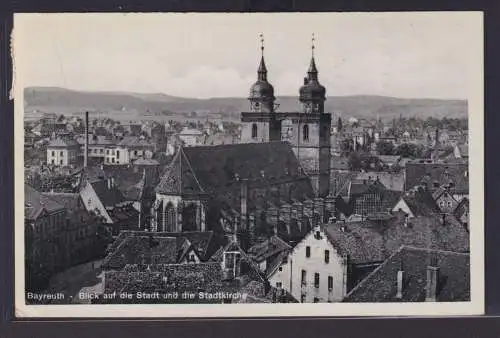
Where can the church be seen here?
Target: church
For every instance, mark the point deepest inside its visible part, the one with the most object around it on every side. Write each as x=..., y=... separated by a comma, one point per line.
x=262, y=186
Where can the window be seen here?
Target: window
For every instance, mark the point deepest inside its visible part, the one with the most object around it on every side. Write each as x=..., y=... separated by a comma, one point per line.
x=278, y=285
x=308, y=251
x=107, y=159
x=302, y=298
x=53, y=153
x=449, y=204
x=117, y=154
x=107, y=151
x=113, y=160
x=330, y=283
x=316, y=280
x=305, y=133
x=280, y=268
x=303, y=277
x=101, y=151
x=53, y=161
x=61, y=153
x=61, y=162
x=135, y=152
x=327, y=256
x=441, y=204
x=254, y=131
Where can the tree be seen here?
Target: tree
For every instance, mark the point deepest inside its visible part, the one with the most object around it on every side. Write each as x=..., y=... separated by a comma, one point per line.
x=409, y=150
x=385, y=148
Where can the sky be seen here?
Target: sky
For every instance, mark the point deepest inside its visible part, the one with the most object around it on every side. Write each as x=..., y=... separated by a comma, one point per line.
x=411, y=55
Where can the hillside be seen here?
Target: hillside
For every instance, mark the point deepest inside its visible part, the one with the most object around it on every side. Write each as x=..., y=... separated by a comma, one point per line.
x=59, y=100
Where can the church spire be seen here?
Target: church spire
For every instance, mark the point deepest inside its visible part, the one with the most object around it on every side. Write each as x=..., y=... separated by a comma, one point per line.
x=262, y=72
x=312, y=72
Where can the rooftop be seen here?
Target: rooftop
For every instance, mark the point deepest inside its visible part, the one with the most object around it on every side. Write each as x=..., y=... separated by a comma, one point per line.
x=381, y=284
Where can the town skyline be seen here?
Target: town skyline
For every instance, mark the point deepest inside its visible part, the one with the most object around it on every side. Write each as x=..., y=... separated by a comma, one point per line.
x=416, y=60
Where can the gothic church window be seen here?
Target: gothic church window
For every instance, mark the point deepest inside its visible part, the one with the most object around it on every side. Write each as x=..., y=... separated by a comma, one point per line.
x=254, y=131
x=170, y=218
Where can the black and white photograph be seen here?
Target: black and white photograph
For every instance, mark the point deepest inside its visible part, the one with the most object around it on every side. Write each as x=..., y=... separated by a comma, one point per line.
x=275, y=164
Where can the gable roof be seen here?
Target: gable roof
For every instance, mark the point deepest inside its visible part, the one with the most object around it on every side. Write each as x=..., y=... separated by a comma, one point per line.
x=374, y=240
x=443, y=173
x=219, y=171
x=142, y=250
x=381, y=284
x=70, y=201
x=204, y=242
x=174, y=278
x=62, y=143
x=421, y=203
x=109, y=196
x=267, y=248
x=35, y=203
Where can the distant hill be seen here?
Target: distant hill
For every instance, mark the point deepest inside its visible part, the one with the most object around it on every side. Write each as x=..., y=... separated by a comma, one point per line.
x=60, y=100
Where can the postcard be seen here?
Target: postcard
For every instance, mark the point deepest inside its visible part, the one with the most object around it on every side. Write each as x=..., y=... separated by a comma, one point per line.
x=248, y=164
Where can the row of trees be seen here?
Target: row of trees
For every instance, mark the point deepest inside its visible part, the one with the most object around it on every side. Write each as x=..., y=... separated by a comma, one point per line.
x=404, y=150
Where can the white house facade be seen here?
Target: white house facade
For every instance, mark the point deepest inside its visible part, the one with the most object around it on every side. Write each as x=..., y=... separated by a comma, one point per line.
x=314, y=271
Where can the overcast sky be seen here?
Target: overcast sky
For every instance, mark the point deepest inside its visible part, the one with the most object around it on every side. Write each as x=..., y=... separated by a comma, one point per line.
x=216, y=55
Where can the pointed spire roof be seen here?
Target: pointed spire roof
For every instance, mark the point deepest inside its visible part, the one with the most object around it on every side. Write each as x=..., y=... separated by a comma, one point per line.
x=262, y=71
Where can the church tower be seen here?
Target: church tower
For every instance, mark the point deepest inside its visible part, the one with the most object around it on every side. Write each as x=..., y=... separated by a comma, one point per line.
x=259, y=124
x=311, y=130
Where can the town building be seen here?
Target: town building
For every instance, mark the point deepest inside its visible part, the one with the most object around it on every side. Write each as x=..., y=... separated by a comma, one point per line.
x=62, y=152
x=333, y=258
x=416, y=275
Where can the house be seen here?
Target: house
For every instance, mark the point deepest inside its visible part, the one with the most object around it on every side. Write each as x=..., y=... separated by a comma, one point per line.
x=417, y=203
x=97, y=146
x=436, y=174
x=462, y=212
x=390, y=180
x=269, y=254
x=333, y=258
x=190, y=137
x=445, y=200
x=62, y=152
x=102, y=197
x=136, y=147
x=218, y=281
x=85, y=234
x=461, y=151
x=389, y=160
x=187, y=247
x=416, y=275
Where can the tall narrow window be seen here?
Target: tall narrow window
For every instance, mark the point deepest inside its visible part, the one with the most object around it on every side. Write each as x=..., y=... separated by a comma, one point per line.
x=308, y=251
x=316, y=280
x=254, y=130
x=305, y=133
x=330, y=283
x=303, y=277
x=327, y=256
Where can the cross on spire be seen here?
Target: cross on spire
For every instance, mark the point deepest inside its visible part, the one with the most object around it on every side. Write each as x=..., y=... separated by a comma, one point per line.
x=261, y=43
x=313, y=39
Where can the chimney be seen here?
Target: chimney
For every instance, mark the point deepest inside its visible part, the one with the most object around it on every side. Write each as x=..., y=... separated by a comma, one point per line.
x=432, y=280
x=86, y=147
x=243, y=201
x=400, y=281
